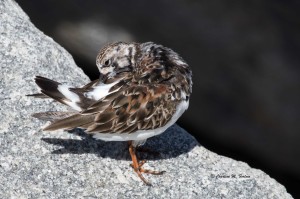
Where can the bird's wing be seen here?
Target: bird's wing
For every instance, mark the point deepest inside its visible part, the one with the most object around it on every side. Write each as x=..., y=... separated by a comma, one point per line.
x=136, y=107
x=73, y=97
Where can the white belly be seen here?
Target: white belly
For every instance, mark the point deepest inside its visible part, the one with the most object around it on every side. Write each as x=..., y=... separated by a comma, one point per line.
x=144, y=134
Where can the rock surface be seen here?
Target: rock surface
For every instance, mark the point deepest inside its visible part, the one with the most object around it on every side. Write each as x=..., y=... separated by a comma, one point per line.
x=36, y=164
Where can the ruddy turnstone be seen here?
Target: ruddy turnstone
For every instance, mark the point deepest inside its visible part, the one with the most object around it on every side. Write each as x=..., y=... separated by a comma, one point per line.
x=142, y=90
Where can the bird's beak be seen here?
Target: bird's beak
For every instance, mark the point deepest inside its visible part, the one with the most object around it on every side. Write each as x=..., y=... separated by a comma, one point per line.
x=102, y=77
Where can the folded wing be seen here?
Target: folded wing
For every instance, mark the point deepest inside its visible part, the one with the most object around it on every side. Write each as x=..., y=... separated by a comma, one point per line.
x=139, y=107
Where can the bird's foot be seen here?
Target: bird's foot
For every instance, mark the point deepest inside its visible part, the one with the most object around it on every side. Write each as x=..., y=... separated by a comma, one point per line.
x=137, y=165
x=139, y=170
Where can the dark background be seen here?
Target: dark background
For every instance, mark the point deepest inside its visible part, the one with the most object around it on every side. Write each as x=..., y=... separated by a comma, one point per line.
x=245, y=58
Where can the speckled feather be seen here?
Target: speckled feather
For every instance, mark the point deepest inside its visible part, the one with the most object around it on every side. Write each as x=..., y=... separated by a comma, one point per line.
x=146, y=92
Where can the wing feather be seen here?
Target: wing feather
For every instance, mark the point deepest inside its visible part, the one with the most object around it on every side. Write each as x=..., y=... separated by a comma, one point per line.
x=131, y=108
x=140, y=107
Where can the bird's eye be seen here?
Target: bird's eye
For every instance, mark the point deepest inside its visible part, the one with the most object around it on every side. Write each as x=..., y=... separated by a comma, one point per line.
x=107, y=62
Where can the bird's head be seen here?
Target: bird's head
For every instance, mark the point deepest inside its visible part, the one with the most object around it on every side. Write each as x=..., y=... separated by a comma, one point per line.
x=116, y=58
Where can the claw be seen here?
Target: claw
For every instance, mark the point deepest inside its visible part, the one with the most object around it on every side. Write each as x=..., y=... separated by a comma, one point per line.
x=137, y=166
x=141, y=163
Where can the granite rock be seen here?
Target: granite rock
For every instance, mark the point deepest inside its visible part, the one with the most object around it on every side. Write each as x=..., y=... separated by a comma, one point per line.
x=36, y=164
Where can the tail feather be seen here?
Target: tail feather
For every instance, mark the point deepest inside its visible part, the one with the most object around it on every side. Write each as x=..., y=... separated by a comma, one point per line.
x=73, y=97
x=71, y=122
x=38, y=95
x=52, y=115
x=50, y=88
x=58, y=92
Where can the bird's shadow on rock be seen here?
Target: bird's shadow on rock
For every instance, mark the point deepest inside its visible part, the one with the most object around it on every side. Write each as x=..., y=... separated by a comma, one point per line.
x=172, y=143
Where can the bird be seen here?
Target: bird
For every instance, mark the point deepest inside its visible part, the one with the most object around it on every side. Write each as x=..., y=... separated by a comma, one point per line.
x=143, y=89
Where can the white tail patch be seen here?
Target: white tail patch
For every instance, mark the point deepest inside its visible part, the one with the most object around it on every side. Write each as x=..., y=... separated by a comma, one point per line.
x=100, y=91
x=72, y=98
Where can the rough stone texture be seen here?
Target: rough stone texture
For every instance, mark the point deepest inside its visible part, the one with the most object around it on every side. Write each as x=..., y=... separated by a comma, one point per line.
x=36, y=164
x=244, y=56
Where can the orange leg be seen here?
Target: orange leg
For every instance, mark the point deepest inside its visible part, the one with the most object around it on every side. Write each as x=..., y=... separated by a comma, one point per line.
x=137, y=166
